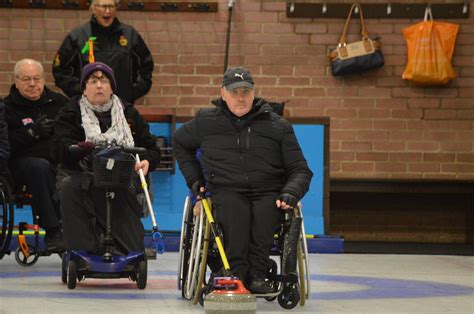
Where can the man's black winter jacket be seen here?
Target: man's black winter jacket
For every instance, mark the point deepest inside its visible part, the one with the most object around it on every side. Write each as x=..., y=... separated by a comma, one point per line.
x=257, y=152
x=20, y=112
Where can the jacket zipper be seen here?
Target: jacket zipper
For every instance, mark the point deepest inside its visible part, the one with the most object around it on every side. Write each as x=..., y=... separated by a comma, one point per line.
x=242, y=159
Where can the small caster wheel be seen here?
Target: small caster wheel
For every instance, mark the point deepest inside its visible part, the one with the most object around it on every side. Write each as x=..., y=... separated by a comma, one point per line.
x=24, y=260
x=71, y=275
x=289, y=297
x=142, y=274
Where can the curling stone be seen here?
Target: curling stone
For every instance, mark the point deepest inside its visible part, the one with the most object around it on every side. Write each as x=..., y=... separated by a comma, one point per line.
x=229, y=295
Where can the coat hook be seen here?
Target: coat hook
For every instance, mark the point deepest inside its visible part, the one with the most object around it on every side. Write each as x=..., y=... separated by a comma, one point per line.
x=324, y=8
x=389, y=9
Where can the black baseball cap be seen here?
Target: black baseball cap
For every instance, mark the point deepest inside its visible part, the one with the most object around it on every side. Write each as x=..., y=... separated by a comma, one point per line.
x=237, y=77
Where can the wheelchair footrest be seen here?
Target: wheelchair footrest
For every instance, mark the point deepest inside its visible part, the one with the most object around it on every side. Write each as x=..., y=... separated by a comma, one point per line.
x=150, y=253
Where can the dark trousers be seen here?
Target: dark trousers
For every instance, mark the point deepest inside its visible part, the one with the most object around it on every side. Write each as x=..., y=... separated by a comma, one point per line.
x=248, y=222
x=83, y=209
x=39, y=176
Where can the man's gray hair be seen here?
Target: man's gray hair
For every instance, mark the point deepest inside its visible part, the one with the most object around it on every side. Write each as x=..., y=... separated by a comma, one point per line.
x=16, y=69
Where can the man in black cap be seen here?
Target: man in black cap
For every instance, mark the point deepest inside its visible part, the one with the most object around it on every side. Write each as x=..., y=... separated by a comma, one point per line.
x=115, y=43
x=252, y=165
x=30, y=111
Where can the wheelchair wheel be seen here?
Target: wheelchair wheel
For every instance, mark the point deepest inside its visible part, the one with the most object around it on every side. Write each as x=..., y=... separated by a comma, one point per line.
x=303, y=263
x=193, y=262
x=289, y=297
x=71, y=275
x=6, y=218
x=184, y=245
x=64, y=271
x=142, y=274
x=24, y=260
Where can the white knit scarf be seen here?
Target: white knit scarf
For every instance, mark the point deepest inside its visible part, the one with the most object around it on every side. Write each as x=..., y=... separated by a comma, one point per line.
x=119, y=131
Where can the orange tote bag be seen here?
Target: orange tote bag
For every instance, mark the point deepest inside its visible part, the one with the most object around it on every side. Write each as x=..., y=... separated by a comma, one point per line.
x=430, y=49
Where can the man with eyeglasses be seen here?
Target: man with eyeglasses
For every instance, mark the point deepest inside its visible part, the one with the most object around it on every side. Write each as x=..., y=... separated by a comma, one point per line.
x=31, y=108
x=117, y=44
x=253, y=167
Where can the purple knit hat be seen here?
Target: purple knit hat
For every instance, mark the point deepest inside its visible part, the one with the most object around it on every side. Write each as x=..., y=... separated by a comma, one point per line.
x=98, y=66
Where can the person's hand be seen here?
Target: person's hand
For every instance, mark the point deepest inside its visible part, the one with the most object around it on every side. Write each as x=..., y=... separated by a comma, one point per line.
x=286, y=201
x=198, y=189
x=86, y=145
x=144, y=165
x=41, y=128
x=197, y=208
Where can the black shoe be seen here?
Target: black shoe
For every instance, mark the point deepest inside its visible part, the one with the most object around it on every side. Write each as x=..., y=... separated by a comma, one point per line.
x=54, y=240
x=258, y=285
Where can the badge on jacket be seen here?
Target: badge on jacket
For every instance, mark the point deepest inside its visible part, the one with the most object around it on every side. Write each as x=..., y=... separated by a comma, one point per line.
x=26, y=121
x=57, y=60
x=123, y=41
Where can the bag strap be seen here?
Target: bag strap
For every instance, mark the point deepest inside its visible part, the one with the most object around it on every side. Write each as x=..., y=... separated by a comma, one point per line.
x=428, y=14
x=363, y=30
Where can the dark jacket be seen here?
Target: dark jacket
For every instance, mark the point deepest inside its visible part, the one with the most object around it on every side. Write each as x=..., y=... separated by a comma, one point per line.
x=257, y=152
x=20, y=112
x=68, y=130
x=120, y=46
x=4, y=143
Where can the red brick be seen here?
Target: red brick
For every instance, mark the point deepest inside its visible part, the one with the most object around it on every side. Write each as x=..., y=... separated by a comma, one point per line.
x=372, y=156
x=441, y=157
x=357, y=166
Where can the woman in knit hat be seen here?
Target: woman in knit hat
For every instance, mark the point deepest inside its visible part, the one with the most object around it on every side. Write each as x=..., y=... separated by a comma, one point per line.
x=99, y=116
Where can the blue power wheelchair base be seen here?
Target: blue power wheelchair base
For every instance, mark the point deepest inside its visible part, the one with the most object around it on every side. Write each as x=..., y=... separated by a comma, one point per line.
x=78, y=265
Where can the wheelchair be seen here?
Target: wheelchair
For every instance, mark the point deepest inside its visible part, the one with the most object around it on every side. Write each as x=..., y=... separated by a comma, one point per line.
x=288, y=278
x=113, y=167
x=7, y=216
x=28, y=252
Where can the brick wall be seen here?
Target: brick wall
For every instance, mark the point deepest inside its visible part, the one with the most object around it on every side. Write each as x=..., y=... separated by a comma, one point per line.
x=381, y=126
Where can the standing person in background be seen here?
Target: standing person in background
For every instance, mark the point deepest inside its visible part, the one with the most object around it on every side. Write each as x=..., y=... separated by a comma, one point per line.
x=116, y=44
x=30, y=112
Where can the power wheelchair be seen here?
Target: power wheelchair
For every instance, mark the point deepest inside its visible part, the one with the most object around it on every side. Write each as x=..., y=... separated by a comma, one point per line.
x=288, y=274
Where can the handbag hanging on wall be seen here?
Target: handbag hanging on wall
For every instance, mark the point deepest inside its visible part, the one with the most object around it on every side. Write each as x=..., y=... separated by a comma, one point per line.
x=430, y=49
x=357, y=56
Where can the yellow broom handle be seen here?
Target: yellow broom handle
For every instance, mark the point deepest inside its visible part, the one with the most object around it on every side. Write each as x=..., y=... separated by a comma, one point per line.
x=220, y=247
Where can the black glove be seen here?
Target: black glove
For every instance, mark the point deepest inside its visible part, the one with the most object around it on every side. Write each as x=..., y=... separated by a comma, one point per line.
x=42, y=128
x=85, y=148
x=288, y=199
x=196, y=188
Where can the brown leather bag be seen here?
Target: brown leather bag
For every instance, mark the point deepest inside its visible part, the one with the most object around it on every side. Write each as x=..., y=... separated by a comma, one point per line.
x=358, y=56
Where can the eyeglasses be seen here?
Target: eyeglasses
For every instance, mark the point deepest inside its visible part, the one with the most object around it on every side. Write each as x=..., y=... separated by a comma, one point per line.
x=240, y=92
x=27, y=79
x=95, y=80
x=104, y=7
